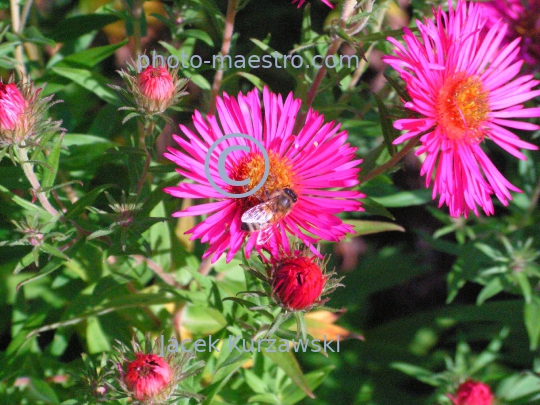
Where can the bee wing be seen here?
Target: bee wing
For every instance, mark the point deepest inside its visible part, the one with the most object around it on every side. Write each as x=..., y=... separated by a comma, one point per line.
x=258, y=214
x=265, y=235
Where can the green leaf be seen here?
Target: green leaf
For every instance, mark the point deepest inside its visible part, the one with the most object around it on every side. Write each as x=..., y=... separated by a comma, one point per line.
x=531, y=316
x=52, y=160
x=374, y=208
x=24, y=263
x=74, y=27
x=53, y=251
x=90, y=57
x=492, y=288
x=525, y=285
x=99, y=233
x=91, y=81
x=201, y=320
x=288, y=363
x=39, y=391
x=370, y=160
x=257, y=82
x=23, y=203
x=197, y=34
x=223, y=377
x=86, y=200
x=292, y=395
x=405, y=198
x=387, y=125
x=45, y=271
x=33, y=35
x=369, y=227
x=419, y=373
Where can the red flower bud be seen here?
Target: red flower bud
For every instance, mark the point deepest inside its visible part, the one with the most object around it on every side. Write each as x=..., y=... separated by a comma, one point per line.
x=298, y=282
x=147, y=376
x=12, y=106
x=472, y=393
x=156, y=84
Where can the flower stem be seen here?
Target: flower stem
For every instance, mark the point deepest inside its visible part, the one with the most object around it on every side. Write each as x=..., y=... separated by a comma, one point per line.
x=17, y=28
x=147, y=132
x=28, y=168
x=225, y=48
x=393, y=161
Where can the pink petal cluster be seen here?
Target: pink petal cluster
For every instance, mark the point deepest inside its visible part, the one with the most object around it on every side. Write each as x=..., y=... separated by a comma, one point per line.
x=147, y=376
x=523, y=19
x=464, y=87
x=12, y=106
x=301, y=3
x=156, y=83
x=323, y=165
x=473, y=393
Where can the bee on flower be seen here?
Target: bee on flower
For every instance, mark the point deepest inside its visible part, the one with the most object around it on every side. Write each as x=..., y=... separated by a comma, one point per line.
x=312, y=176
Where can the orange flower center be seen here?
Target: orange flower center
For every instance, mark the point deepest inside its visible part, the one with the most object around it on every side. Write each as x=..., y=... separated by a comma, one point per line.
x=463, y=107
x=252, y=167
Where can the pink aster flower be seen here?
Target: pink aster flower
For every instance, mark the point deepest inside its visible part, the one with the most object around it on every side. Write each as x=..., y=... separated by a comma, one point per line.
x=301, y=2
x=312, y=164
x=523, y=19
x=464, y=89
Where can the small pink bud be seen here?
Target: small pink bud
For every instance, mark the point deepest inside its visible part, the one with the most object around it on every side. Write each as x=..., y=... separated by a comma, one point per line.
x=298, y=282
x=147, y=376
x=156, y=84
x=12, y=106
x=472, y=393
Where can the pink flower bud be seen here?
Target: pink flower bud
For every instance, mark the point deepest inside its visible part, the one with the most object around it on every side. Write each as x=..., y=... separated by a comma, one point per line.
x=12, y=106
x=298, y=282
x=147, y=376
x=472, y=393
x=156, y=84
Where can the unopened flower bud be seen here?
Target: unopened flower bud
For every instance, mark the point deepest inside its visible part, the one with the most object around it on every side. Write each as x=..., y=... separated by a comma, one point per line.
x=298, y=282
x=157, y=87
x=147, y=376
x=472, y=393
x=12, y=107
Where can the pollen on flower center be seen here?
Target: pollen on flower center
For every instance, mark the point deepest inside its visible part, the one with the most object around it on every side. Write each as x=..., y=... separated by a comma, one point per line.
x=252, y=167
x=463, y=107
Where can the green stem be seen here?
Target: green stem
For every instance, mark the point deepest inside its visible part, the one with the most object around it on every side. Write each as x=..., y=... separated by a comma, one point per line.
x=17, y=27
x=225, y=48
x=147, y=132
x=28, y=168
x=393, y=161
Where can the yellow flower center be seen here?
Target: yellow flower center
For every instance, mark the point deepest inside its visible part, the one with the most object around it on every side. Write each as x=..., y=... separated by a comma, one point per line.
x=252, y=167
x=463, y=107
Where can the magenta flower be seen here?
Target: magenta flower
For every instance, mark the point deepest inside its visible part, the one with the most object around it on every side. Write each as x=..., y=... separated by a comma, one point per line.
x=312, y=164
x=12, y=107
x=464, y=88
x=523, y=19
x=301, y=3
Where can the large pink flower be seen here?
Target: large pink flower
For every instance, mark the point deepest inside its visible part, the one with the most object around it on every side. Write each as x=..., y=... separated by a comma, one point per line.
x=314, y=163
x=523, y=18
x=464, y=88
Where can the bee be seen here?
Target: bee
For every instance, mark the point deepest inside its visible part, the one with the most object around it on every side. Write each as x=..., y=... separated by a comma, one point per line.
x=265, y=215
